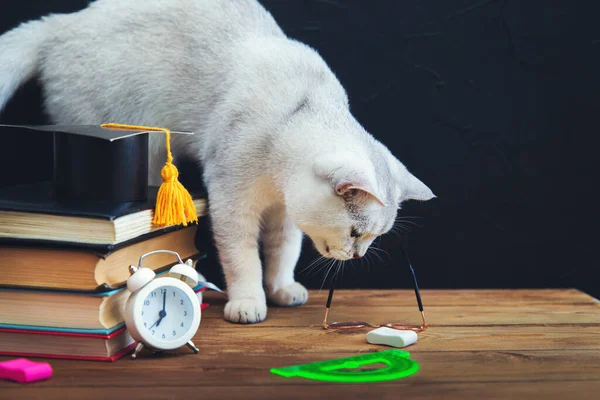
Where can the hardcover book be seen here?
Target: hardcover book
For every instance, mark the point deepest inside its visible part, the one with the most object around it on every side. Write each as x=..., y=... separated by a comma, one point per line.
x=63, y=266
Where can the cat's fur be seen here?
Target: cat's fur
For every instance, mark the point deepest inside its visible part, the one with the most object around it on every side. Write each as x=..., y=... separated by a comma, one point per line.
x=281, y=152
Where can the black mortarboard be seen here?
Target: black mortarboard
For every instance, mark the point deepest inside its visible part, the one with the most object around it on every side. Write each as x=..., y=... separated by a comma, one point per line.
x=109, y=162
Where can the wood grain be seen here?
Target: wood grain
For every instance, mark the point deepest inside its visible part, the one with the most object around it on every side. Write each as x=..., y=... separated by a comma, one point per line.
x=587, y=390
x=491, y=344
x=259, y=340
x=459, y=297
x=253, y=369
x=585, y=314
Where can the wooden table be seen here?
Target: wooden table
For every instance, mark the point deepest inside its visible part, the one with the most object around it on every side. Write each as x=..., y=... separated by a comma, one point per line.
x=481, y=344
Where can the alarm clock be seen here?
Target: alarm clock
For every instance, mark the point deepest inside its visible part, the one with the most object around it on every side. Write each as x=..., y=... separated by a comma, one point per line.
x=162, y=313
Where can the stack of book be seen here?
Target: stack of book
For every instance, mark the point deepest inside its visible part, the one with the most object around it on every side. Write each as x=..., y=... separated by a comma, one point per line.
x=64, y=267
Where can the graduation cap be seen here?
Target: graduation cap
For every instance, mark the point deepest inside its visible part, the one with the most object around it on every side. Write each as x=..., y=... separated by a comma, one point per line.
x=109, y=162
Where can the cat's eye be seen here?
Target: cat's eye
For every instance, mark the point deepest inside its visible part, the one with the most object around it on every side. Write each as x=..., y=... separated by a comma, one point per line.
x=354, y=233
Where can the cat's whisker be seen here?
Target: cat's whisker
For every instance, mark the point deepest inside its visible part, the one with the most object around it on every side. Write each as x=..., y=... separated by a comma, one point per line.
x=313, y=263
x=308, y=270
x=407, y=221
x=400, y=224
x=408, y=216
x=331, y=265
x=321, y=265
x=398, y=230
x=412, y=223
x=312, y=266
x=339, y=269
x=380, y=249
x=407, y=227
x=397, y=224
x=395, y=232
x=377, y=249
x=309, y=265
x=335, y=269
x=368, y=261
x=378, y=256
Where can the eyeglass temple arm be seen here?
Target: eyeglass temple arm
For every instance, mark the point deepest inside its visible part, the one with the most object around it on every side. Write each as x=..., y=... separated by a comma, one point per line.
x=416, y=286
x=418, y=295
x=414, y=276
x=329, y=298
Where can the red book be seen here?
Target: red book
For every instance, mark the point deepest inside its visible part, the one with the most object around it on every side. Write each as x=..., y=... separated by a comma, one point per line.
x=67, y=345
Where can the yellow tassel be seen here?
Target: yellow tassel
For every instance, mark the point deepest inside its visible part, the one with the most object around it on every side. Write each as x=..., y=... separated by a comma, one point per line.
x=174, y=205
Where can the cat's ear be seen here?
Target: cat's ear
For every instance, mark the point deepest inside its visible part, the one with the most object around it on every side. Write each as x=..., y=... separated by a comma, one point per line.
x=349, y=177
x=411, y=188
x=352, y=191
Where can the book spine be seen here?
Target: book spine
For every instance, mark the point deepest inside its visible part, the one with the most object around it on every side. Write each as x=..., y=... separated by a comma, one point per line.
x=112, y=358
x=55, y=333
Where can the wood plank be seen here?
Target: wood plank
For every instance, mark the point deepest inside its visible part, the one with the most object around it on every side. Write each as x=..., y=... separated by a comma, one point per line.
x=184, y=369
x=482, y=344
x=455, y=297
x=257, y=340
x=450, y=297
x=540, y=314
x=465, y=391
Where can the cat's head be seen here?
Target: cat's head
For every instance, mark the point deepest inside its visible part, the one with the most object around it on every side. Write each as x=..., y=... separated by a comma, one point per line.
x=346, y=201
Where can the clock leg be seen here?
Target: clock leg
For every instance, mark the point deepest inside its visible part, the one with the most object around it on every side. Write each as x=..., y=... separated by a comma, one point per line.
x=138, y=348
x=193, y=347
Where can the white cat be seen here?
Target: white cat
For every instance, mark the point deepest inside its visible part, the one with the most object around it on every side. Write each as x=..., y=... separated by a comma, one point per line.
x=280, y=150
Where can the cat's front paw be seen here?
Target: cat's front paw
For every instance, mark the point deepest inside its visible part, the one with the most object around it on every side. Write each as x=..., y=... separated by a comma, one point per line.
x=288, y=296
x=245, y=311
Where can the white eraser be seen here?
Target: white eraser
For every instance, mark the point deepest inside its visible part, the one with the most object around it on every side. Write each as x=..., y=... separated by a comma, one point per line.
x=391, y=337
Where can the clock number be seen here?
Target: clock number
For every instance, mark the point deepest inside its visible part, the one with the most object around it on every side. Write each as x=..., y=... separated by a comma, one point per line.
x=145, y=325
x=185, y=313
x=153, y=331
x=173, y=293
x=163, y=336
x=182, y=324
x=153, y=294
x=163, y=291
x=146, y=302
x=181, y=301
x=174, y=333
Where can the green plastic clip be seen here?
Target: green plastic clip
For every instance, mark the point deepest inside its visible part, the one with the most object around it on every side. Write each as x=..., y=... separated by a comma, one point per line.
x=399, y=365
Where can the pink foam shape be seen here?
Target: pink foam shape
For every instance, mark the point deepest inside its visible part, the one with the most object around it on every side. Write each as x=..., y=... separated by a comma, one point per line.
x=24, y=371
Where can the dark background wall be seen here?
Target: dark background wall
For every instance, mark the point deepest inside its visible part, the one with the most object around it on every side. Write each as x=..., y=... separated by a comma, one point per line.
x=493, y=104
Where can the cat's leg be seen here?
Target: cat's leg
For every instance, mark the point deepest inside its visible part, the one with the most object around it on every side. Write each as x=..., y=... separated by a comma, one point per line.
x=236, y=238
x=282, y=242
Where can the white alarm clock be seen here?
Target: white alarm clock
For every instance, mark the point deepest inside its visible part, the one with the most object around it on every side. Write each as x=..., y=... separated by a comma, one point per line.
x=162, y=313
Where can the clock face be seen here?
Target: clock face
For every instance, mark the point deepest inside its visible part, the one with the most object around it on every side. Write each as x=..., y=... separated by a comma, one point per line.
x=167, y=313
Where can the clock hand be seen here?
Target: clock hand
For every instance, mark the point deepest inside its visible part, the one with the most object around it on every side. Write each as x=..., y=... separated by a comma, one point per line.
x=162, y=313
x=156, y=323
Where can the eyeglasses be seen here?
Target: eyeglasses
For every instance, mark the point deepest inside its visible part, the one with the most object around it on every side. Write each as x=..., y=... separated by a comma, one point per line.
x=360, y=324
